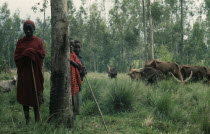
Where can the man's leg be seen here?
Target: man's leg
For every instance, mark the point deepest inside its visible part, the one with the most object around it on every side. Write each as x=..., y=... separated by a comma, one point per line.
x=75, y=100
x=36, y=114
x=26, y=113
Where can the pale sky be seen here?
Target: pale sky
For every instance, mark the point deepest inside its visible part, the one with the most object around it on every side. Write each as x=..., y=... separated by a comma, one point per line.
x=24, y=6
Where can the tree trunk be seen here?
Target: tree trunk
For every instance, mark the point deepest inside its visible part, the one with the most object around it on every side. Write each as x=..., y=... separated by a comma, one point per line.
x=182, y=33
x=60, y=94
x=145, y=34
x=151, y=33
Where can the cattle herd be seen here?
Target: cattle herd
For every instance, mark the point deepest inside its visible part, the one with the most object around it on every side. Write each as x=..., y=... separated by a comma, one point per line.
x=157, y=70
x=152, y=72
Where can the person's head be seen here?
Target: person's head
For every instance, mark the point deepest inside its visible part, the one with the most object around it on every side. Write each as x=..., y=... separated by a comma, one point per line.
x=28, y=28
x=77, y=47
x=71, y=45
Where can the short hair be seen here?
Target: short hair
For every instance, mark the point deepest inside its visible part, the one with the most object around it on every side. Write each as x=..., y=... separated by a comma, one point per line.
x=72, y=42
x=76, y=41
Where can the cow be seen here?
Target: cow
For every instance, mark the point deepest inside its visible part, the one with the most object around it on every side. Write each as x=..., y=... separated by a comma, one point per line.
x=199, y=72
x=112, y=72
x=7, y=85
x=151, y=75
x=134, y=73
x=168, y=68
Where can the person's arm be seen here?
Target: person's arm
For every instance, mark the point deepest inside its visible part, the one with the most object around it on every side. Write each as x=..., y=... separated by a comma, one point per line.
x=75, y=64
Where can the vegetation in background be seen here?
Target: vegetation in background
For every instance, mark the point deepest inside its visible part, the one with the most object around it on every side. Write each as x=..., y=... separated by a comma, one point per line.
x=116, y=38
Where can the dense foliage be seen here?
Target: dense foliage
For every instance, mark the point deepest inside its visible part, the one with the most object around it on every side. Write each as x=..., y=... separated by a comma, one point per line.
x=115, y=36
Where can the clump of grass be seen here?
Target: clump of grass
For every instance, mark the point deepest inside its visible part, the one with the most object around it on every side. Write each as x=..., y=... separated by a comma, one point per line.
x=205, y=123
x=163, y=105
x=201, y=117
x=89, y=108
x=120, y=97
x=168, y=85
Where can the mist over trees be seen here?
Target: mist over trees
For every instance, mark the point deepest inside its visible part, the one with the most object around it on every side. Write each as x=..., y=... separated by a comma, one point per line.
x=122, y=36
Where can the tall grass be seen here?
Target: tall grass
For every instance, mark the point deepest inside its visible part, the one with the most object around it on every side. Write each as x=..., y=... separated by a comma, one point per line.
x=128, y=107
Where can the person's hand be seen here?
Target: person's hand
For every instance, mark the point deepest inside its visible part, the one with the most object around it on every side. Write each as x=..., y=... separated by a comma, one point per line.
x=83, y=71
x=26, y=59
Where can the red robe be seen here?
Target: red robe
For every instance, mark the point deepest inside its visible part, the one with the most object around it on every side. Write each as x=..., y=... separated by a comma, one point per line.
x=29, y=50
x=75, y=74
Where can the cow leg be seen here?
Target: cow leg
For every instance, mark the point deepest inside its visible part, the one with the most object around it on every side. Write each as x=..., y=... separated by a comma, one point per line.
x=36, y=114
x=26, y=113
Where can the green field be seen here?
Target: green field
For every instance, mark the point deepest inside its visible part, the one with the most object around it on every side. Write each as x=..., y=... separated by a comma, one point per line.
x=129, y=107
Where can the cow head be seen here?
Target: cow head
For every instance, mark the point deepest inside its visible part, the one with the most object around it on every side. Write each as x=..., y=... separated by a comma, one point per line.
x=135, y=74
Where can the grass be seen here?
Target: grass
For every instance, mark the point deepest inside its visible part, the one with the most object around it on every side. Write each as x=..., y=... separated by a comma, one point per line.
x=129, y=107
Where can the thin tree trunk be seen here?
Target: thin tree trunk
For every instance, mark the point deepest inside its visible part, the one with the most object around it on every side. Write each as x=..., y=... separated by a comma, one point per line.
x=145, y=34
x=182, y=33
x=60, y=94
x=151, y=33
x=8, y=57
x=43, y=68
x=94, y=62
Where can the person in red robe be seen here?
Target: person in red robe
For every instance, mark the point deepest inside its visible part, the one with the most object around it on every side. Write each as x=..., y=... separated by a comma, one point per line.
x=29, y=55
x=75, y=67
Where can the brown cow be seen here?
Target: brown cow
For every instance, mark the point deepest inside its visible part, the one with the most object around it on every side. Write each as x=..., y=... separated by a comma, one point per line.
x=199, y=72
x=167, y=68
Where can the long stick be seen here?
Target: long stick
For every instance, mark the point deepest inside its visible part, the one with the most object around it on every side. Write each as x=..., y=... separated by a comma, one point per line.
x=34, y=80
x=97, y=104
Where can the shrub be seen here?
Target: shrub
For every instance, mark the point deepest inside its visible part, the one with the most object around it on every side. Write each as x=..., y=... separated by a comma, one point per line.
x=120, y=97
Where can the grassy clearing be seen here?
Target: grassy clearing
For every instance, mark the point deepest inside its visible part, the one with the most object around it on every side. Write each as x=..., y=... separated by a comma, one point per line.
x=129, y=107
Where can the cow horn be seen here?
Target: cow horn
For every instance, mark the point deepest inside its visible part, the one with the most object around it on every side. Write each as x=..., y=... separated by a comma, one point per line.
x=175, y=78
x=191, y=73
x=108, y=68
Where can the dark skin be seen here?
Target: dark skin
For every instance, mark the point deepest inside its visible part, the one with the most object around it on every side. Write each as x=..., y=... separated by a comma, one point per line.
x=28, y=30
x=77, y=48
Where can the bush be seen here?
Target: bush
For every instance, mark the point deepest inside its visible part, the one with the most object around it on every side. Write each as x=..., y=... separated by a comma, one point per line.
x=120, y=97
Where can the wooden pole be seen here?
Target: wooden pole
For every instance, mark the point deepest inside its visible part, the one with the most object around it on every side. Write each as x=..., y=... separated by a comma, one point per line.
x=34, y=80
x=97, y=104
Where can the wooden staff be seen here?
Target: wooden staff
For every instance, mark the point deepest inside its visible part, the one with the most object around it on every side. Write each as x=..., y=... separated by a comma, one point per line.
x=97, y=104
x=34, y=80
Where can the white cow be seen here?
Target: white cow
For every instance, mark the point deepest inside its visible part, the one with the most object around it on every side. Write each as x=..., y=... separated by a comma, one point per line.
x=8, y=85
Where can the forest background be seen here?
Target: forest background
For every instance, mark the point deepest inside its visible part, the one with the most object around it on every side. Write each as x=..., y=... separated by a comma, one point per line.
x=118, y=36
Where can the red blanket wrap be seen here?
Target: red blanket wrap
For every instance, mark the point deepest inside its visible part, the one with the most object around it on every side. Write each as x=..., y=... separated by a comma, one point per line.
x=29, y=50
x=75, y=74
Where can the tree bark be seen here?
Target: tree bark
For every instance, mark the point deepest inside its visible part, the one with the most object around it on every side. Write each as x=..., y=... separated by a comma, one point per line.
x=60, y=94
x=182, y=33
x=145, y=34
x=151, y=33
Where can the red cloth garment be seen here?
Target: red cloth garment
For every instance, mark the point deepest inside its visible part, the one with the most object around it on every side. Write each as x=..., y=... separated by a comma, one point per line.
x=75, y=74
x=29, y=50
